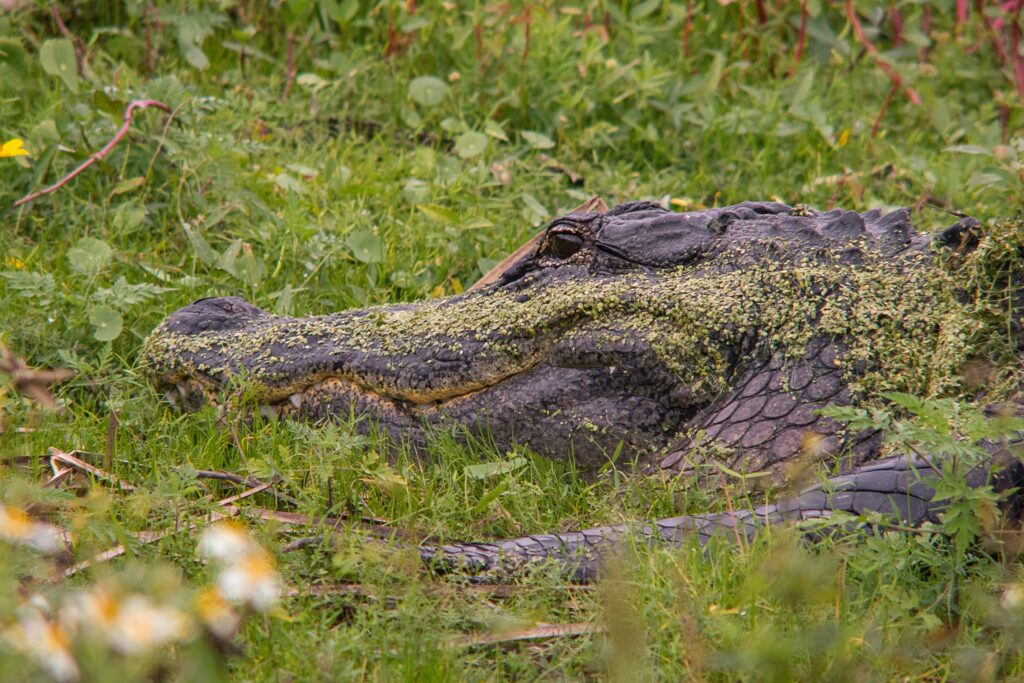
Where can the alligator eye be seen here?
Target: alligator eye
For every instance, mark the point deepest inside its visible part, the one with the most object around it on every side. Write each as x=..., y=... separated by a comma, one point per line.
x=564, y=244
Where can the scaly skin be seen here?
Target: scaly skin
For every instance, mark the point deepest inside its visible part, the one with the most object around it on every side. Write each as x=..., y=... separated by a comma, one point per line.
x=690, y=341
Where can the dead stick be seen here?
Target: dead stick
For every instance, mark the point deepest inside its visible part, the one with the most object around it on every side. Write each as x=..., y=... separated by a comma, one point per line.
x=84, y=467
x=121, y=132
x=894, y=76
x=375, y=530
x=247, y=481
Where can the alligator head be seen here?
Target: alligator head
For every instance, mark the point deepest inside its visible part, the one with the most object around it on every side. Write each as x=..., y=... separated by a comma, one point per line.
x=635, y=329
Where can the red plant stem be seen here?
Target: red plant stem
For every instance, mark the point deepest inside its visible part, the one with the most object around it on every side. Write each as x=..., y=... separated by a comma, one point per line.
x=926, y=31
x=1018, y=61
x=527, y=20
x=839, y=188
x=149, y=39
x=289, y=69
x=893, y=75
x=62, y=27
x=762, y=14
x=479, y=36
x=897, y=26
x=121, y=132
x=687, y=27
x=801, y=40
x=997, y=41
x=962, y=10
x=881, y=112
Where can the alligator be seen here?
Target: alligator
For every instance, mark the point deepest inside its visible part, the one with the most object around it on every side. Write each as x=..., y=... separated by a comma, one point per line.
x=686, y=343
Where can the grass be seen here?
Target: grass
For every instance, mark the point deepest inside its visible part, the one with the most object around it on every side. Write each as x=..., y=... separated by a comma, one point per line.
x=350, y=183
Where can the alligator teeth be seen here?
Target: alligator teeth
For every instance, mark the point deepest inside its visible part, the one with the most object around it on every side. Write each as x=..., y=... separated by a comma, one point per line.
x=181, y=390
x=268, y=412
x=172, y=398
x=296, y=400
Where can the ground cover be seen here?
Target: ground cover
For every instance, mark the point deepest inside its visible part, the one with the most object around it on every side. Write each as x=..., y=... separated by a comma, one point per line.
x=326, y=155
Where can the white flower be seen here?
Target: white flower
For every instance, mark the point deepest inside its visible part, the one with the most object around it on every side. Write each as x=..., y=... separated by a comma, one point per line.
x=131, y=624
x=251, y=580
x=248, y=575
x=47, y=643
x=216, y=613
x=227, y=542
x=17, y=527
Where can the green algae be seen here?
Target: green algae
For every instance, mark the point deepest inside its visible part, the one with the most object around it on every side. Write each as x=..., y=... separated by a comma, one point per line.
x=910, y=323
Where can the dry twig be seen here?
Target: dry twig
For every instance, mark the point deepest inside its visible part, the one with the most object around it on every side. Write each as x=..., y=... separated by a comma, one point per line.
x=541, y=631
x=32, y=383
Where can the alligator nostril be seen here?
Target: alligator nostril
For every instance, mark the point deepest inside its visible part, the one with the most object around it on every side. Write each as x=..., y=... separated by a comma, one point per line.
x=213, y=314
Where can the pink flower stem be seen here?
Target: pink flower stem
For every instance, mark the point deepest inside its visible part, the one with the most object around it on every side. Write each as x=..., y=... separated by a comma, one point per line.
x=121, y=132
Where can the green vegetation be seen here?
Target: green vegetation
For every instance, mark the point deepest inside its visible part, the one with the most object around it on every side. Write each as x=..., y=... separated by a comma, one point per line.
x=399, y=152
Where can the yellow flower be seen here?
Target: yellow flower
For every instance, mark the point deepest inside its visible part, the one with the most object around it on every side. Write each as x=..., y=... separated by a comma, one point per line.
x=13, y=148
x=14, y=262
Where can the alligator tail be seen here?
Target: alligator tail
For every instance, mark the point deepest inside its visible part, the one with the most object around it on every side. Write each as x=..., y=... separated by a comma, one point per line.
x=896, y=488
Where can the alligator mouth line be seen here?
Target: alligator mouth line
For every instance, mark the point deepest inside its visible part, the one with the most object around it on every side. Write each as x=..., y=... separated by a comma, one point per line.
x=194, y=393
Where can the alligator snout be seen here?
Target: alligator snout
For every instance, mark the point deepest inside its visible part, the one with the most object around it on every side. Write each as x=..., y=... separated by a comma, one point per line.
x=213, y=314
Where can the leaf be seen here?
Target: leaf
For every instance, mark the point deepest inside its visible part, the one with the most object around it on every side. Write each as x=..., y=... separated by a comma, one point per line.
x=107, y=321
x=128, y=217
x=489, y=498
x=226, y=262
x=470, y=144
x=249, y=268
x=204, y=252
x=128, y=186
x=534, y=211
x=489, y=470
x=714, y=73
x=38, y=286
x=438, y=214
x=428, y=91
x=89, y=256
x=57, y=57
x=366, y=246
x=644, y=9
x=537, y=140
x=494, y=129
x=121, y=295
x=341, y=12
x=969, y=149
x=476, y=223
x=194, y=54
x=289, y=183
